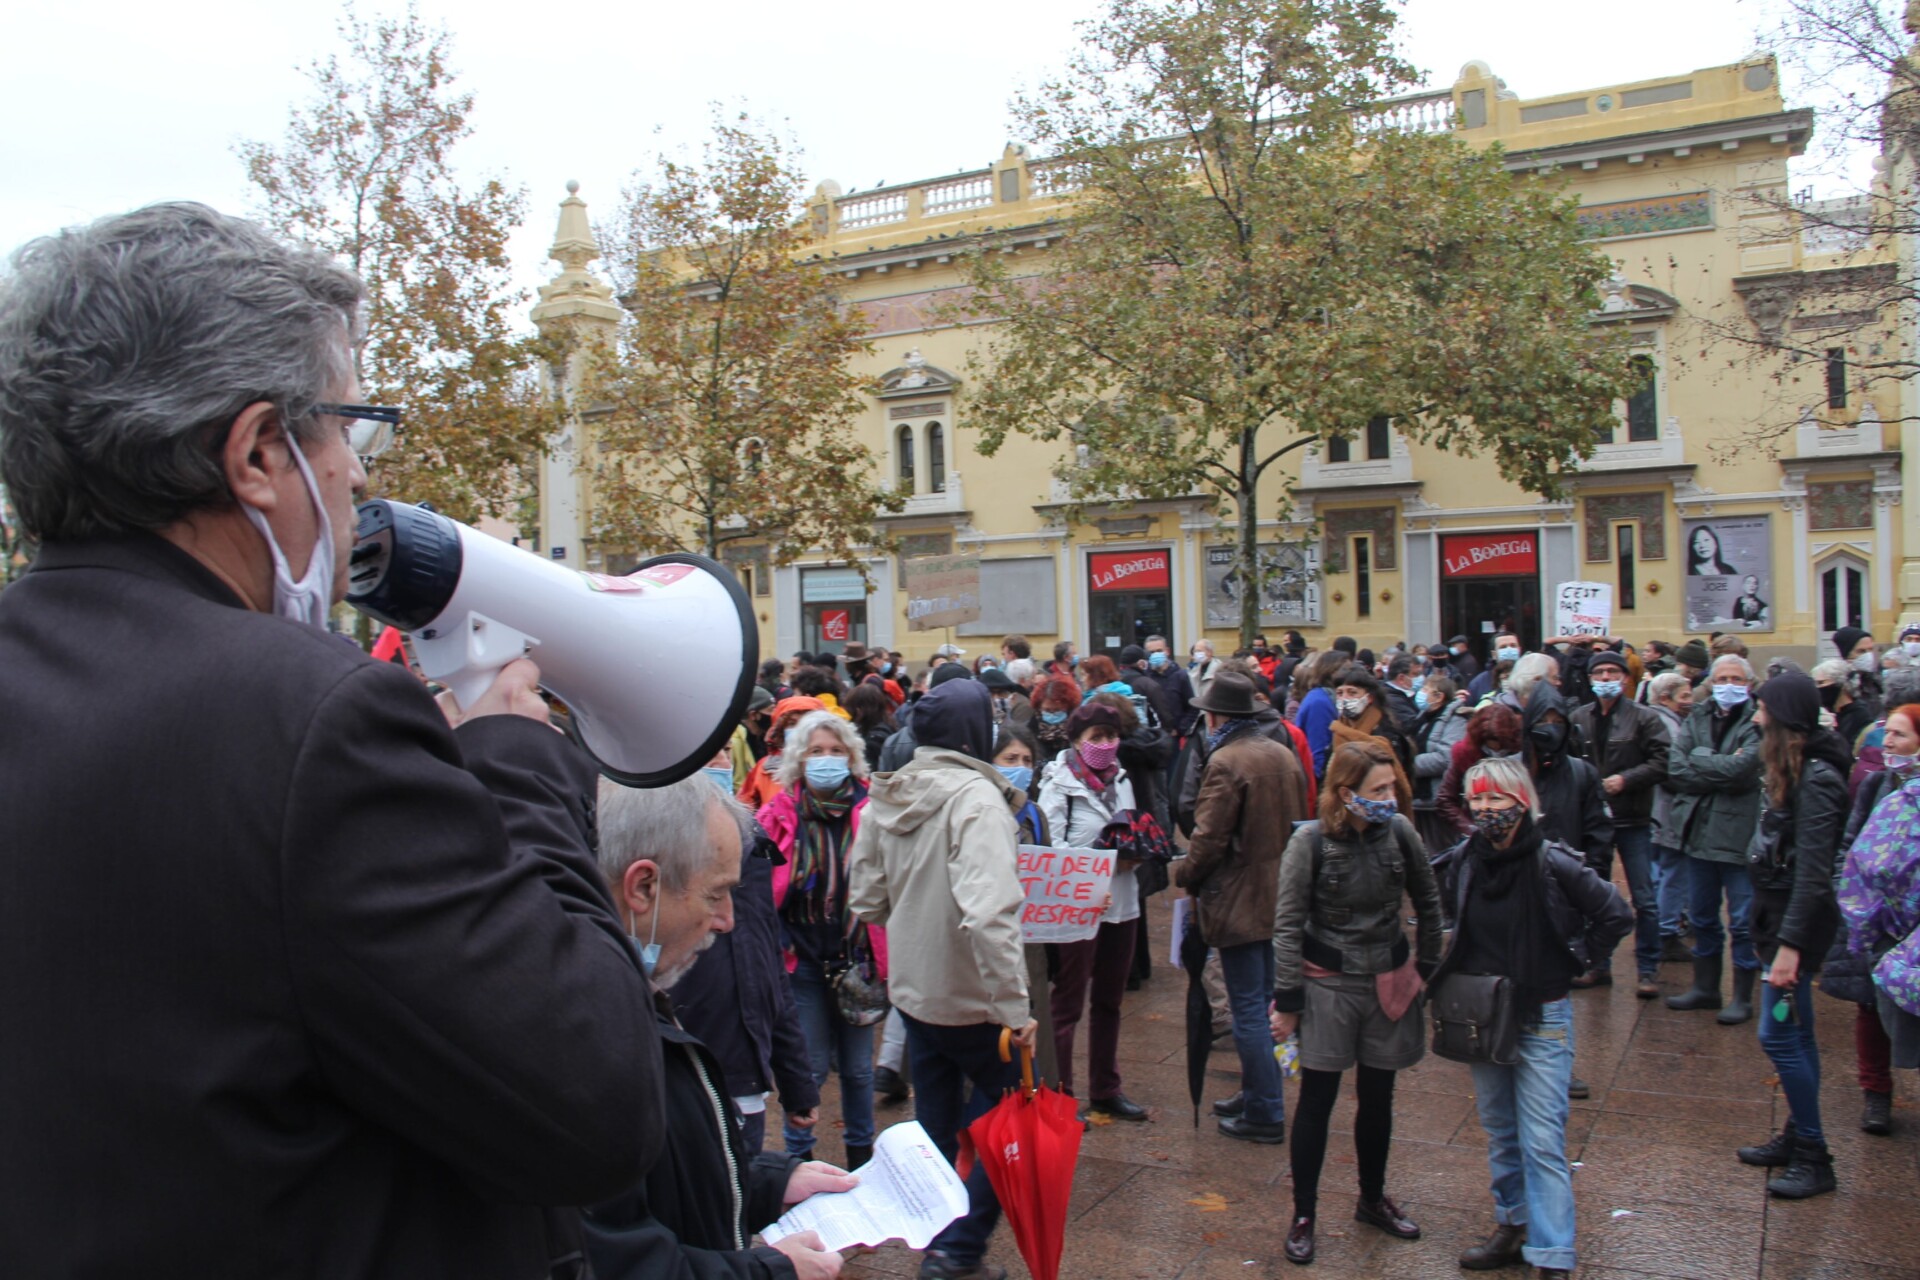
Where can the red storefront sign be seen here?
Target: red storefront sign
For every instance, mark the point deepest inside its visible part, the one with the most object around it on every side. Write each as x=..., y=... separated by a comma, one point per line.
x=836, y=624
x=1489, y=555
x=1129, y=571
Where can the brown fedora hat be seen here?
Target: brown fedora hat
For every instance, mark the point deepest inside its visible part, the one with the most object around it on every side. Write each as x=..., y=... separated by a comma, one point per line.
x=1228, y=694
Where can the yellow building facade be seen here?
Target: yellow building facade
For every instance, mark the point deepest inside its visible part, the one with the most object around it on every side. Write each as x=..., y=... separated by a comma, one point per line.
x=1741, y=491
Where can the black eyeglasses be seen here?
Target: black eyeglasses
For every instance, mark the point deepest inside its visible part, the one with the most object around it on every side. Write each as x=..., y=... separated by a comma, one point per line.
x=371, y=427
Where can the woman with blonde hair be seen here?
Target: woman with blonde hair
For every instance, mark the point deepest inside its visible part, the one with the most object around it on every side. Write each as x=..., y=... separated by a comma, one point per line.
x=1346, y=978
x=813, y=819
x=1528, y=910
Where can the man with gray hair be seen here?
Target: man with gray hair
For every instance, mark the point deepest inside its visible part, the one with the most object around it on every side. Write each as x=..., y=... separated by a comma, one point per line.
x=317, y=958
x=1714, y=770
x=1670, y=695
x=671, y=856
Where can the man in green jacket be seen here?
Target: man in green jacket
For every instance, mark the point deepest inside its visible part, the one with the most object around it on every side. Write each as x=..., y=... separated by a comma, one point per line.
x=1714, y=772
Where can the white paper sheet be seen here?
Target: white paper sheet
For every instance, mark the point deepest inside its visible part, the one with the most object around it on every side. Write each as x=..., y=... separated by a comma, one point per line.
x=907, y=1191
x=1181, y=906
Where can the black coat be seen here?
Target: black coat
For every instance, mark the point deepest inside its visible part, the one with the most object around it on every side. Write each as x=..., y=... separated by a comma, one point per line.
x=1636, y=747
x=695, y=1215
x=299, y=982
x=1793, y=855
x=737, y=1001
x=1587, y=912
x=1573, y=809
x=1158, y=696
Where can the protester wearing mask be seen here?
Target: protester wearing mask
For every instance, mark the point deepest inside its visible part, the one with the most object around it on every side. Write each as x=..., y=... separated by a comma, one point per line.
x=1493, y=732
x=1460, y=658
x=1909, y=642
x=1345, y=977
x=1795, y=916
x=1145, y=689
x=738, y=1001
x=762, y=784
x=298, y=950
x=1528, y=909
x=1010, y=705
x=1202, y=667
x=1627, y=744
x=934, y=863
x=1444, y=716
x=900, y=747
x=1401, y=683
x=1670, y=696
x=1837, y=684
x=1054, y=700
x=1506, y=648
x=1313, y=685
x=1714, y=770
x=1080, y=793
x=814, y=820
x=671, y=855
x=1014, y=752
x=1252, y=793
x=1264, y=657
x=1173, y=678
x=1363, y=715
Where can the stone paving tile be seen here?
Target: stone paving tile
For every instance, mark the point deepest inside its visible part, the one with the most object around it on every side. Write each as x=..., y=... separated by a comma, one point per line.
x=1674, y=1094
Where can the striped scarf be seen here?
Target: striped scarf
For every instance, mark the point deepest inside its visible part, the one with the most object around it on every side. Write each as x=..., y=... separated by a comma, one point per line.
x=819, y=874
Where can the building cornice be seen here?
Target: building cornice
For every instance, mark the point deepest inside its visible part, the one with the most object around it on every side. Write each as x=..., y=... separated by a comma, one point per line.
x=1790, y=128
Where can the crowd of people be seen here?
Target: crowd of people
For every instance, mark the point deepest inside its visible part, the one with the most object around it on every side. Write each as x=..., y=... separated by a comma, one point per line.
x=312, y=974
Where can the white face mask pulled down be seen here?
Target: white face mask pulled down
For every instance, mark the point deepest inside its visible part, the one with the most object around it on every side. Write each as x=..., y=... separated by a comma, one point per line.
x=309, y=599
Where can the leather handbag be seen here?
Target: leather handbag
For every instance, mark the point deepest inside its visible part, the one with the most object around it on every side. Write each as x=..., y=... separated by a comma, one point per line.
x=1474, y=1019
x=859, y=992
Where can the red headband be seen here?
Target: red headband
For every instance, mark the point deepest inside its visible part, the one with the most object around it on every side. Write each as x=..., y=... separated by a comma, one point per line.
x=1483, y=786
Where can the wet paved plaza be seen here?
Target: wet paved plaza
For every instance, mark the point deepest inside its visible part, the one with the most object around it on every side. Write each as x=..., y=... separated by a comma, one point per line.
x=1658, y=1189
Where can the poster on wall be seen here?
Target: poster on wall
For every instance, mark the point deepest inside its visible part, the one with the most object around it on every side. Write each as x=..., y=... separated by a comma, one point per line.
x=942, y=591
x=1729, y=576
x=1291, y=596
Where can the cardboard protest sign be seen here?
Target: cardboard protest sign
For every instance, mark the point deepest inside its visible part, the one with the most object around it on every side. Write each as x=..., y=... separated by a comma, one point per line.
x=1066, y=892
x=1583, y=609
x=942, y=591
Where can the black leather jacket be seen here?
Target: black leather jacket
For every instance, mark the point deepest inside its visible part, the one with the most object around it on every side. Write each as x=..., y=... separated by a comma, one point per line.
x=1587, y=912
x=1792, y=857
x=1339, y=905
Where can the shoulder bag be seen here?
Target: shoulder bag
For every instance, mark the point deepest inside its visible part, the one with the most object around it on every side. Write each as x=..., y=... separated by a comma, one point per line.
x=1474, y=1019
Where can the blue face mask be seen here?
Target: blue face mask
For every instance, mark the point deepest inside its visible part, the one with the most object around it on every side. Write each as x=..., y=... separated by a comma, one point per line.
x=886, y=668
x=827, y=773
x=648, y=951
x=1418, y=682
x=1156, y=659
x=1607, y=689
x=1054, y=717
x=722, y=778
x=1373, y=810
x=1018, y=774
x=1730, y=696
x=1420, y=699
x=1507, y=655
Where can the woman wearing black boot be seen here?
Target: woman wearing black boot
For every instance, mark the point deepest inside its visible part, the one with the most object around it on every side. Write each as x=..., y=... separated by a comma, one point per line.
x=1345, y=976
x=1795, y=916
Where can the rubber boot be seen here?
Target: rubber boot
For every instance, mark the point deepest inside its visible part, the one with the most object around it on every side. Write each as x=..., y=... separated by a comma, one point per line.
x=1775, y=1153
x=1810, y=1174
x=858, y=1155
x=1740, y=1008
x=1705, y=992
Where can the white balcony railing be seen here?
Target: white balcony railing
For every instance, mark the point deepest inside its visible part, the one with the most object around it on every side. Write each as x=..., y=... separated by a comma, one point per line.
x=962, y=193
x=872, y=211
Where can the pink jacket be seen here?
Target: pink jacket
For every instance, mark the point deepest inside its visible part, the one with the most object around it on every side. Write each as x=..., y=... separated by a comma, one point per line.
x=779, y=818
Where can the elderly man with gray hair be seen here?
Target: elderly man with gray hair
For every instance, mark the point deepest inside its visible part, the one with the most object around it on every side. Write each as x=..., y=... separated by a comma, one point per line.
x=671, y=856
x=302, y=980
x=1714, y=771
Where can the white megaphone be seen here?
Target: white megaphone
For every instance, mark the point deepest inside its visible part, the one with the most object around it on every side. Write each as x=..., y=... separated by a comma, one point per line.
x=656, y=667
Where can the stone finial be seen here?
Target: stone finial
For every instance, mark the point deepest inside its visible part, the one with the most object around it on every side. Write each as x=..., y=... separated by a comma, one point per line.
x=576, y=291
x=1615, y=288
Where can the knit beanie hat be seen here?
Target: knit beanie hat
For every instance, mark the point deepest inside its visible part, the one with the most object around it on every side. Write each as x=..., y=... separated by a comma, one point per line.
x=1792, y=700
x=1693, y=654
x=1846, y=639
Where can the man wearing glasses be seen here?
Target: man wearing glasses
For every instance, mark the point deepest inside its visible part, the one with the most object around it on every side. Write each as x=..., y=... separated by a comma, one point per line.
x=301, y=981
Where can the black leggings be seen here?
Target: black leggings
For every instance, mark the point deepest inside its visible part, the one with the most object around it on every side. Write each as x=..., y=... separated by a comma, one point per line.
x=1372, y=1133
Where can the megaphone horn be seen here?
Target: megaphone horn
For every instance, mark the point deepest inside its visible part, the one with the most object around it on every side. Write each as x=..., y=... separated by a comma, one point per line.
x=656, y=666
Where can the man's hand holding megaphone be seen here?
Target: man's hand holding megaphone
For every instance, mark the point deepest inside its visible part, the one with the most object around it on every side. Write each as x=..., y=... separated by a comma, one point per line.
x=514, y=692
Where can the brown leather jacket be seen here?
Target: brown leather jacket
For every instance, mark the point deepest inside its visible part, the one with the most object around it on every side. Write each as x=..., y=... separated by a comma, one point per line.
x=1250, y=796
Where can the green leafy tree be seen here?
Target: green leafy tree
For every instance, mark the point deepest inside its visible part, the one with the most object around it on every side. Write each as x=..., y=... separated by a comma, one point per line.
x=365, y=172
x=724, y=407
x=1258, y=262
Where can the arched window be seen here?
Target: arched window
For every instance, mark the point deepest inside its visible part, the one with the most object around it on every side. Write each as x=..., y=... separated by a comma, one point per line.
x=936, y=458
x=904, y=458
x=1643, y=406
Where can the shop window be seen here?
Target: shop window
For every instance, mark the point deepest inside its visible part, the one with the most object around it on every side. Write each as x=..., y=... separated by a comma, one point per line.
x=936, y=458
x=903, y=458
x=1836, y=377
x=1626, y=545
x=1643, y=408
x=1363, y=577
x=1379, y=438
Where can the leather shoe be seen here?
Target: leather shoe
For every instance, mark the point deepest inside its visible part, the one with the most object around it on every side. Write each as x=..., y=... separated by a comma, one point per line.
x=1231, y=1106
x=1648, y=988
x=1593, y=978
x=1578, y=1088
x=1385, y=1214
x=938, y=1266
x=1119, y=1106
x=1253, y=1131
x=1299, y=1246
x=1501, y=1249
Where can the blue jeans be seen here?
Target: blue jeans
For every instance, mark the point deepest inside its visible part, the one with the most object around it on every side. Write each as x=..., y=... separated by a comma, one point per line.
x=1707, y=881
x=1674, y=890
x=944, y=1060
x=1248, y=970
x=1796, y=1058
x=1523, y=1109
x=1636, y=856
x=829, y=1040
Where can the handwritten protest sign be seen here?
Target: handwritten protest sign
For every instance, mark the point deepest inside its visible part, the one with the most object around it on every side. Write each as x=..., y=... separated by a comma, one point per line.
x=942, y=591
x=1066, y=892
x=1583, y=608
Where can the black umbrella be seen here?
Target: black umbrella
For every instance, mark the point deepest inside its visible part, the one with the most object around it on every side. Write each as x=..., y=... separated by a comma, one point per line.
x=1193, y=958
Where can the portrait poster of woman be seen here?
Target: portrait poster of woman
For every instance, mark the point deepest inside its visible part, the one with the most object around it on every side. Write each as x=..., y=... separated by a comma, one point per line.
x=1729, y=578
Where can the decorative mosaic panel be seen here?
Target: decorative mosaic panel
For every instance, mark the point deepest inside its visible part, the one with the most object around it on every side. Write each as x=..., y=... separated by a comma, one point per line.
x=919, y=544
x=1840, y=504
x=1338, y=526
x=1650, y=509
x=755, y=558
x=1645, y=217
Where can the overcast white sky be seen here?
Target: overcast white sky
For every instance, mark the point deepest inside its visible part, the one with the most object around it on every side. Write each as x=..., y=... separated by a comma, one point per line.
x=115, y=103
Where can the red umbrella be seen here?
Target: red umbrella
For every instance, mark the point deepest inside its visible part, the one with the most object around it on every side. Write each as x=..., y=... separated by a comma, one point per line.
x=1029, y=1144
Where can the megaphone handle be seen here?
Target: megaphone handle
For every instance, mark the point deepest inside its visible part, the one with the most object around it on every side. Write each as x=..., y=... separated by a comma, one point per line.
x=469, y=686
x=1026, y=1060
